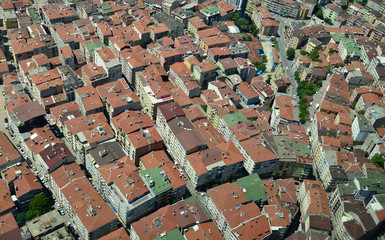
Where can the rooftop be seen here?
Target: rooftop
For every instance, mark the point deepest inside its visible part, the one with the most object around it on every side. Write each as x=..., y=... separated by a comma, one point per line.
x=156, y=179
x=253, y=188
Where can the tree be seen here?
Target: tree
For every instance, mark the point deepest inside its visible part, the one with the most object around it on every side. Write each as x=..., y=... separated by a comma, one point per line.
x=378, y=160
x=329, y=68
x=290, y=53
x=246, y=37
x=361, y=112
x=255, y=32
x=319, y=13
x=314, y=55
x=328, y=21
x=243, y=24
x=354, y=105
x=331, y=50
x=31, y=214
x=268, y=80
x=21, y=218
x=260, y=66
x=296, y=75
x=303, y=53
x=235, y=17
x=264, y=58
x=39, y=205
x=303, y=115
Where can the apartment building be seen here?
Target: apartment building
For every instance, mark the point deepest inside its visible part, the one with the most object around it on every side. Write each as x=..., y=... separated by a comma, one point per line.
x=178, y=133
x=104, y=57
x=151, y=89
x=281, y=7
x=183, y=78
x=215, y=165
x=89, y=214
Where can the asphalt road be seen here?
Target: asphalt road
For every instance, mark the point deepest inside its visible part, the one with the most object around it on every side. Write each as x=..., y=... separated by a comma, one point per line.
x=286, y=64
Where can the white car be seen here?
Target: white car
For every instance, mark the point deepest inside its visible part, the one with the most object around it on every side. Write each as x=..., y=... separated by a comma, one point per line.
x=287, y=68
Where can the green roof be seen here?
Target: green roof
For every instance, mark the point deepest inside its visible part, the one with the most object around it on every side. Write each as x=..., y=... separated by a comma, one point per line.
x=106, y=9
x=156, y=179
x=351, y=46
x=35, y=17
x=210, y=10
x=171, y=235
x=371, y=184
x=375, y=174
x=338, y=37
x=94, y=45
x=253, y=187
x=301, y=148
x=380, y=197
x=234, y=118
x=347, y=189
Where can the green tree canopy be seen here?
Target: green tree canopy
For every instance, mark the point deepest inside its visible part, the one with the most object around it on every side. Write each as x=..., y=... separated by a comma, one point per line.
x=21, y=218
x=39, y=204
x=361, y=112
x=296, y=76
x=319, y=13
x=328, y=21
x=378, y=160
x=290, y=53
x=243, y=24
x=260, y=66
x=235, y=17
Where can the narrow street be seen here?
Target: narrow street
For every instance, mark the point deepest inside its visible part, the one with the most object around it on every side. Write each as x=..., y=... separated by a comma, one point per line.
x=286, y=64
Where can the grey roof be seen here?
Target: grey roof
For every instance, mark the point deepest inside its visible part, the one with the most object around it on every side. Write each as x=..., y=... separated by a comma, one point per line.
x=161, y=17
x=173, y=24
x=361, y=215
x=107, y=152
x=364, y=125
x=183, y=13
x=239, y=48
x=338, y=173
x=70, y=79
x=296, y=24
x=284, y=148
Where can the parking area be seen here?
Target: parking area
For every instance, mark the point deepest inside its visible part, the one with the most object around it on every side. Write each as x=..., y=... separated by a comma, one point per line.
x=268, y=48
x=60, y=233
x=45, y=224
